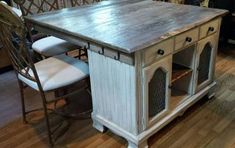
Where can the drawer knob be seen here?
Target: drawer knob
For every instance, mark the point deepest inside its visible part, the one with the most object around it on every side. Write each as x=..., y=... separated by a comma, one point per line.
x=160, y=52
x=188, y=39
x=101, y=51
x=211, y=29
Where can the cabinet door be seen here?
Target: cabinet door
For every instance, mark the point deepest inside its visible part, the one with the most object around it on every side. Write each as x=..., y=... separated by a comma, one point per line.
x=156, y=92
x=205, y=61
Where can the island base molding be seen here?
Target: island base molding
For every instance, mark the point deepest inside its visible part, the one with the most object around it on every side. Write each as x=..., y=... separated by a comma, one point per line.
x=140, y=140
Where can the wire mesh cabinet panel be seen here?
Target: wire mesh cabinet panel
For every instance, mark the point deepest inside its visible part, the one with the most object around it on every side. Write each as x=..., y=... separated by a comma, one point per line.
x=205, y=61
x=30, y=7
x=156, y=90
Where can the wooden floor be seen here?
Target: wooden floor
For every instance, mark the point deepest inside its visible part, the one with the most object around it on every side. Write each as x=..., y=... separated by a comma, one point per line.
x=208, y=124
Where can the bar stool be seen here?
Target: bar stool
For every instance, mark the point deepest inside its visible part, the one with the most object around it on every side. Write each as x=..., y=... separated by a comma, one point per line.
x=47, y=75
x=17, y=11
x=46, y=46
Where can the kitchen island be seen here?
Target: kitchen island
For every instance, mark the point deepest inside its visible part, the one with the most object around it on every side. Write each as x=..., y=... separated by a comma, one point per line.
x=149, y=61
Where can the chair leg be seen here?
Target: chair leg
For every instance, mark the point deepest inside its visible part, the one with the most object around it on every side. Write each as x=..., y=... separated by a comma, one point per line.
x=88, y=89
x=86, y=54
x=49, y=133
x=21, y=86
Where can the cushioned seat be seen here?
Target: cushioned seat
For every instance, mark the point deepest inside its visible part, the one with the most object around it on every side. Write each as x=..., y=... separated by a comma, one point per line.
x=58, y=71
x=52, y=74
x=50, y=46
x=17, y=11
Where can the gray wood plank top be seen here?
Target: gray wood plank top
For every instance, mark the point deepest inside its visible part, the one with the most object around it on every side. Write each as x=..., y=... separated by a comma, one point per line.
x=125, y=26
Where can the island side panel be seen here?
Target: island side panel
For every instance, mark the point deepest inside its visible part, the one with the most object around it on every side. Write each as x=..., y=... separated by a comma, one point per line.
x=113, y=89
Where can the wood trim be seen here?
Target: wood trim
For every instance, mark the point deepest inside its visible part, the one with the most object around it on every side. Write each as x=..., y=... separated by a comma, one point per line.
x=113, y=54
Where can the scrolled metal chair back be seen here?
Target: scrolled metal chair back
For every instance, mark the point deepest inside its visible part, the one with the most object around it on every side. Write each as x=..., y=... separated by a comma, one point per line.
x=75, y=3
x=13, y=36
x=30, y=7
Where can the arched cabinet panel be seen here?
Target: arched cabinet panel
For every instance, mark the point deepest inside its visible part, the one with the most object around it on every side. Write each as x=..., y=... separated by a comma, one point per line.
x=156, y=92
x=205, y=61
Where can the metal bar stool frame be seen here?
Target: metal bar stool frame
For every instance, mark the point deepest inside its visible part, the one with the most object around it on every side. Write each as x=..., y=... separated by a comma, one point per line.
x=11, y=25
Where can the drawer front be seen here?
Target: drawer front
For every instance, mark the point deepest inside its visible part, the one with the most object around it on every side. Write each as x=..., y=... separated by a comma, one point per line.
x=158, y=51
x=209, y=28
x=187, y=38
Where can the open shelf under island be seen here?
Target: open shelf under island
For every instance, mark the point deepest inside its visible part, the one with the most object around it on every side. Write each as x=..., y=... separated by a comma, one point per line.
x=179, y=71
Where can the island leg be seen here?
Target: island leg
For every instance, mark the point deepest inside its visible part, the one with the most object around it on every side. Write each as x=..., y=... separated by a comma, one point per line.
x=98, y=126
x=141, y=145
x=211, y=92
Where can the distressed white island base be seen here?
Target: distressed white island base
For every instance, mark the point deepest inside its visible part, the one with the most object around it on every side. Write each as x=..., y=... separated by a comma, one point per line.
x=121, y=89
x=117, y=107
x=149, y=61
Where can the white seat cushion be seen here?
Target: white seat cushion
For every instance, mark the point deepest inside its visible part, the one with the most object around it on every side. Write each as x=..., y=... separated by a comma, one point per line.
x=50, y=46
x=57, y=71
x=17, y=11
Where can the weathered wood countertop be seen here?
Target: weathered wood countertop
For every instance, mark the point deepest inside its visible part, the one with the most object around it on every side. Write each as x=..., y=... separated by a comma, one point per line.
x=127, y=26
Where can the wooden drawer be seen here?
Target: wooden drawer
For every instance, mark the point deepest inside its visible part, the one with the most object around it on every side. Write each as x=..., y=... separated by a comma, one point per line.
x=209, y=28
x=187, y=38
x=158, y=51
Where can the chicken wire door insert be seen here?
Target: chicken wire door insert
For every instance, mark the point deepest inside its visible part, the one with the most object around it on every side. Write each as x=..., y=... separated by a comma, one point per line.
x=205, y=61
x=204, y=64
x=156, y=91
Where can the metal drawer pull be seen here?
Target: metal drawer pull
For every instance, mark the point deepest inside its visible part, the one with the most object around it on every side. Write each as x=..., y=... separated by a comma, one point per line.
x=117, y=57
x=188, y=39
x=211, y=29
x=160, y=52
